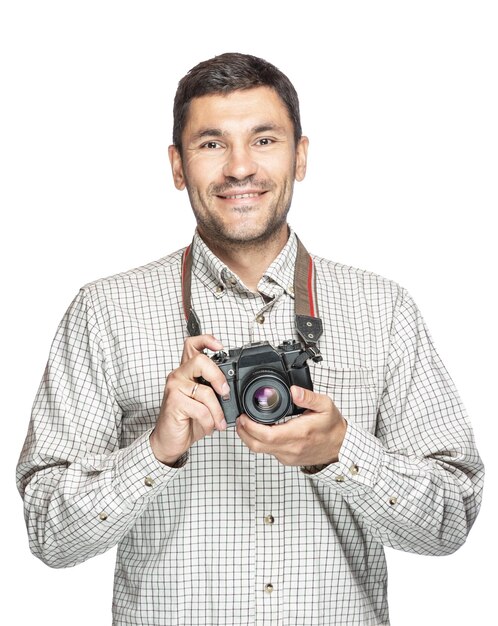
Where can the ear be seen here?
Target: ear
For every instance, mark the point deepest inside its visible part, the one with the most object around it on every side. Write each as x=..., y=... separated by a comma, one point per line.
x=175, y=158
x=301, y=158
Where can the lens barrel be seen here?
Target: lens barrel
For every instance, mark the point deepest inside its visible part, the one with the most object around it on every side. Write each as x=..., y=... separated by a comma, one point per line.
x=266, y=397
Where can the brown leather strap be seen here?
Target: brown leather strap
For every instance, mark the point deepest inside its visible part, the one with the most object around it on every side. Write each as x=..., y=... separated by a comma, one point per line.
x=308, y=324
x=304, y=283
x=193, y=322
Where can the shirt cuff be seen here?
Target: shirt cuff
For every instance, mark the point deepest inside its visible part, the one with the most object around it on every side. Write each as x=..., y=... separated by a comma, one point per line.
x=138, y=474
x=360, y=459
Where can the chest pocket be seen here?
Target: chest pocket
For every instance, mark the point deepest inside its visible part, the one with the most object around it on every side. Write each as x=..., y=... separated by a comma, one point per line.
x=353, y=391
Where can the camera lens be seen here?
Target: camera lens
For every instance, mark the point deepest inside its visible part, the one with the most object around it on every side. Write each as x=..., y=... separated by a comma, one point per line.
x=266, y=398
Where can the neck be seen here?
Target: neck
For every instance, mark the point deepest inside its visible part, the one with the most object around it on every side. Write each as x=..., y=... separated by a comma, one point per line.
x=249, y=260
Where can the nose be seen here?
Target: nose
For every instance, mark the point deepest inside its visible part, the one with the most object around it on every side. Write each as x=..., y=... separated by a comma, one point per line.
x=240, y=163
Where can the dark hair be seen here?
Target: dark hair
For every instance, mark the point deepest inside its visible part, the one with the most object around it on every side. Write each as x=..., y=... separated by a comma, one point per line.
x=229, y=72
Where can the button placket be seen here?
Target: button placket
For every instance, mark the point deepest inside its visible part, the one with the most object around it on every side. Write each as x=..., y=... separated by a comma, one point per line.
x=263, y=321
x=268, y=537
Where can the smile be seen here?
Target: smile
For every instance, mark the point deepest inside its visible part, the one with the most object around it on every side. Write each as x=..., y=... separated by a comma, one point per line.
x=240, y=196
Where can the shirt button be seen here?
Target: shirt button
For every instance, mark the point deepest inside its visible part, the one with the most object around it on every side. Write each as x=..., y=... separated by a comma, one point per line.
x=260, y=319
x=269, y=588
x=220, y=289
x=103, y=516
x=354, y=469
x=393, y=501
x=148, y=481
x=232, y=281
x=290, y=290
x=269, y=519
x=339, y=479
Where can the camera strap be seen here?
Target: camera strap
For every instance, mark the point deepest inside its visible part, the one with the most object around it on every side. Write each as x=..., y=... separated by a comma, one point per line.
x=308, y=325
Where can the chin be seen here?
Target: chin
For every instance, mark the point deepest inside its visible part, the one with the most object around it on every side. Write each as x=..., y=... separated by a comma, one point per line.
x=242, y=229
x=239, y=231
x=251, y=236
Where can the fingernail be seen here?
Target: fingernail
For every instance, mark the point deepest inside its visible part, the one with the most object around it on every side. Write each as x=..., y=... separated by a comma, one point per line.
x=223, y=424
x=225, y=391
x=298, y=393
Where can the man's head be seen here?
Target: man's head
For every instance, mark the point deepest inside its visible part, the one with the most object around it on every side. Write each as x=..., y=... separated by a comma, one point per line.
x=230, y=72
x=237, y=150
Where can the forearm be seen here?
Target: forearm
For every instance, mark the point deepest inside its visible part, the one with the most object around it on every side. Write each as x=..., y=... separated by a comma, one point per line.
x=423, y=505
x=76, y=511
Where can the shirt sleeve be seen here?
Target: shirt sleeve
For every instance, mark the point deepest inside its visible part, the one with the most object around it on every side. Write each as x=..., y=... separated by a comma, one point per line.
x=417, y=482
x=82, y=493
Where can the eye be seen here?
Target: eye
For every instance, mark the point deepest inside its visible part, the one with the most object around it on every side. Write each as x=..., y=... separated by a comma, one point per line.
x=211, y=145
x=264, y=141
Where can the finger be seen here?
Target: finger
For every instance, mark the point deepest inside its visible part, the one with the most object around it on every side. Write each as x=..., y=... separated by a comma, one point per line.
x=247, y=438
x=195, y=345
x=200, y=415
x=206, y=396
x=201, y=366
x=263, y=433
x=187, y=409
x=307, y=399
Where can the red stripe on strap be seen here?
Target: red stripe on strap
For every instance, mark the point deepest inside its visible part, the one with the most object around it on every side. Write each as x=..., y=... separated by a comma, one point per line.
x=185, y=255
x=310, y=288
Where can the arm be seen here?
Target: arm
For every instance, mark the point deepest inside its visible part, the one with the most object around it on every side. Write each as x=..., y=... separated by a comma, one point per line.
x=81, y=492
x=416, y=483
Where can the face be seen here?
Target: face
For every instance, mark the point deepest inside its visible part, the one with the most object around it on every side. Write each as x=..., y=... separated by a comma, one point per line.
x=238, y=163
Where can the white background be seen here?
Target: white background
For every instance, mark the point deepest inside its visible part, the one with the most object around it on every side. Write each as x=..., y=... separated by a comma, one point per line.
x=400, y=102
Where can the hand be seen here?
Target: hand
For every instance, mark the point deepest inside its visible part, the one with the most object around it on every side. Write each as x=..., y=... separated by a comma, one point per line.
x=189, y=411
x=312, y=438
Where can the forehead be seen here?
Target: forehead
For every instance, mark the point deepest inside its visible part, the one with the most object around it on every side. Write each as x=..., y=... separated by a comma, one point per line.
x=238, y=110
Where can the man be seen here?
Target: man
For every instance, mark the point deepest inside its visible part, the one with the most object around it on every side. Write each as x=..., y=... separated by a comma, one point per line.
x=255, y=523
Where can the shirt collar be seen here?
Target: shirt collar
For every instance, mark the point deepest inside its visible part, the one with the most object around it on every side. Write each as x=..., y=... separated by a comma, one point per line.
x=217, y=277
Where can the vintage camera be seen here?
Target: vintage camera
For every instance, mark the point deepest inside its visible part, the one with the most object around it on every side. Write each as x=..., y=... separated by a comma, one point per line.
x=260, y=377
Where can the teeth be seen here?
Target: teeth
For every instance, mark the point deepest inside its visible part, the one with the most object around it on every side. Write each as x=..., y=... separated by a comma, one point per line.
x=243, y=195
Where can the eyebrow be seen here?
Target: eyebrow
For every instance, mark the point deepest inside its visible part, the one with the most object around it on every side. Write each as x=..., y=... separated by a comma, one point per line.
x=217, y=132
x=207, y=132
x=264, y=128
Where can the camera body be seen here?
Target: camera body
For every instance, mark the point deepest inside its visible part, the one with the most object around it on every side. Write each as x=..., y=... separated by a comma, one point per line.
x=260, y=377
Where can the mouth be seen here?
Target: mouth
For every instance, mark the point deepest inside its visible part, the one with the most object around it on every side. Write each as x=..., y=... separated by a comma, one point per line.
x=241, y=196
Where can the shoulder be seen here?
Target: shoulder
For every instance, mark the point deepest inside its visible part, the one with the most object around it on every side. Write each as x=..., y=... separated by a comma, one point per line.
x=364, y=301
x=151, y=276
x=356, y=281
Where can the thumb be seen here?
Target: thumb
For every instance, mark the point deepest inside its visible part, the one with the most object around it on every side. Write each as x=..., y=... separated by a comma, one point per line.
x=195, y=345
x=307, y=399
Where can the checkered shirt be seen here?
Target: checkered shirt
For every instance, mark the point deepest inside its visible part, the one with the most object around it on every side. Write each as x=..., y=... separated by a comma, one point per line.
x=231, y=537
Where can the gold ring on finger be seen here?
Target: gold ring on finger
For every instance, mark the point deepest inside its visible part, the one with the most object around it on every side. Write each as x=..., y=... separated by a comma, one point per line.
x=194, y=389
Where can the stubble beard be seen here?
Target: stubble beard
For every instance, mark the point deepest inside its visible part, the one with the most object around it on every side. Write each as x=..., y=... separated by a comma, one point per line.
x=218, y=235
